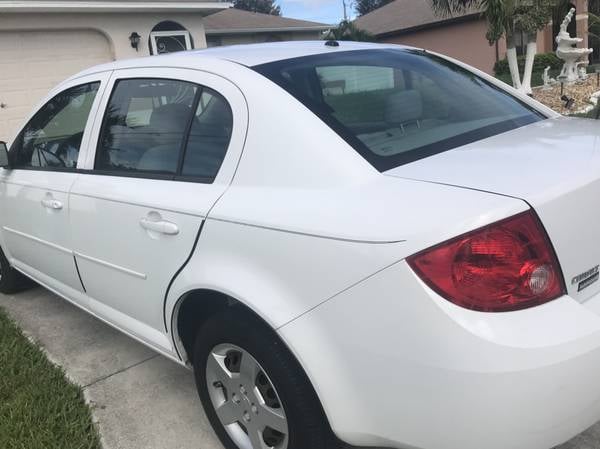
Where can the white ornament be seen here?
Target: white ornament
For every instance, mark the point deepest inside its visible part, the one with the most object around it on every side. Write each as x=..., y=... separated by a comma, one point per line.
x=582, y=71
x=567, y=51
x=548, y=82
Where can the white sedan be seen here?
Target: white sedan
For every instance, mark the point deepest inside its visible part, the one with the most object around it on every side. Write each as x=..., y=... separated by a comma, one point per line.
x=349, y=243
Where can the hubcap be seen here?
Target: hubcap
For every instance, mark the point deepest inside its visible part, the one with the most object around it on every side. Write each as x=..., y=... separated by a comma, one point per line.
x=245, y=399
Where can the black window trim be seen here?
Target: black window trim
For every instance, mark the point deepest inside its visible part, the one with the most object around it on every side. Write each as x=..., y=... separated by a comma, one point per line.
x=177, y=176
x=88, y=125
x=271, y=71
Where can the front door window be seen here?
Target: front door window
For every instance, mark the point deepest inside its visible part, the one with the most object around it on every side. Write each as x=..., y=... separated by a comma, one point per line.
x=52, y=138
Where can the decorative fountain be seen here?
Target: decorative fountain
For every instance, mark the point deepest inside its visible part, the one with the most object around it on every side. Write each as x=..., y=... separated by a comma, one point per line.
x=567, y=51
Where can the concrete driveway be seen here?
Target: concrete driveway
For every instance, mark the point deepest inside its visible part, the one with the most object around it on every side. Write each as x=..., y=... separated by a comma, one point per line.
x=140, y=400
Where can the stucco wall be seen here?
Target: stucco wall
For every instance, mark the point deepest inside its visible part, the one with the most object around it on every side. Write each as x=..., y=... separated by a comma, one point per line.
x=116, y=27
x=464, y=41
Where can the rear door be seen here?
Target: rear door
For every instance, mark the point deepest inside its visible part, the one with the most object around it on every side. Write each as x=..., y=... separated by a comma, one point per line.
x=166, y=149
x=34, y=205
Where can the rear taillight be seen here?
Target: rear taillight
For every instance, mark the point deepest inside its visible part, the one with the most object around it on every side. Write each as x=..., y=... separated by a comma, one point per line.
x=507, y=265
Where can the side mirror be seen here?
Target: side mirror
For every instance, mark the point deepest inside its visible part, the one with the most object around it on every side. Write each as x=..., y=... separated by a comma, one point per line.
x=4, y=161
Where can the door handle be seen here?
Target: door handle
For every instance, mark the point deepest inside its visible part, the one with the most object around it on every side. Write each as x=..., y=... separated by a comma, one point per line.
x=163, y=227
x=52, y=204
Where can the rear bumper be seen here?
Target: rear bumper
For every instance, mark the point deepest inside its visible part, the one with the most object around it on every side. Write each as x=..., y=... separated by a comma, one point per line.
x=397, y=366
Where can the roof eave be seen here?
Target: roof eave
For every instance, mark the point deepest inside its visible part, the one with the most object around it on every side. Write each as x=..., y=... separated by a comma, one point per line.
x=429, y=26
x=267, y=30
x=31, y=6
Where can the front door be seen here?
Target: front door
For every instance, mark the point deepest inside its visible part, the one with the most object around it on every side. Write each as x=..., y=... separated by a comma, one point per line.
x=166, y=151
x=34, y=204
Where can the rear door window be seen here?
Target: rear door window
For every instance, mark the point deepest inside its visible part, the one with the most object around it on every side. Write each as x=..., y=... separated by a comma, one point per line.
x=164, y=128
x=145, y=126
x=209, y=137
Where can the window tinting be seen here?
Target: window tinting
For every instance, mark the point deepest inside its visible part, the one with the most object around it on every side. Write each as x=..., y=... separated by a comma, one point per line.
x=397, y=106
x=209, y=136
x=52, y=138
x=145, y=126
x=165, y=127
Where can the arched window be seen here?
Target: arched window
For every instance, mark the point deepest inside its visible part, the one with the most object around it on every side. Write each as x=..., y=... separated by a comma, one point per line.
x=169, y=37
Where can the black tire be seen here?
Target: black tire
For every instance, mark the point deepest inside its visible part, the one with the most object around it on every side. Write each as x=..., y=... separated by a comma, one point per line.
x=11, y=281
x=307, y=426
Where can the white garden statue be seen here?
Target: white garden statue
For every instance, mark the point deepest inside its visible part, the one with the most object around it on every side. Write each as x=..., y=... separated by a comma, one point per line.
x=548, y=82
x=582, y=70
x=567, y=51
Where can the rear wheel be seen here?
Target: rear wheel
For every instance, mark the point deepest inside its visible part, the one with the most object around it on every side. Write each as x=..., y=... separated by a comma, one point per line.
x=11, y=281
x=255, y=394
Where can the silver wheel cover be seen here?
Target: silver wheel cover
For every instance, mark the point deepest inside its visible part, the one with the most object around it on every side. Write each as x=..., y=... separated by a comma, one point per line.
x=245, y=399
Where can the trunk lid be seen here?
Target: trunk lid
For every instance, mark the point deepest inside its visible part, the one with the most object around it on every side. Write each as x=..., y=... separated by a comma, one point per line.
x=554, y=165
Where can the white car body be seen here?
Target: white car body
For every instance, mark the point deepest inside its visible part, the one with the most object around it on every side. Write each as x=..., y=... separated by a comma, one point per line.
x=317, y=250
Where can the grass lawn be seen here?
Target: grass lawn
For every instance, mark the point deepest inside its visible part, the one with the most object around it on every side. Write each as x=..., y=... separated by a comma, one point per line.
x=39, y=408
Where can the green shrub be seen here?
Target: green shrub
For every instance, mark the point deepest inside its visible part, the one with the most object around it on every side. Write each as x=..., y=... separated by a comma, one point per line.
x=541, y=61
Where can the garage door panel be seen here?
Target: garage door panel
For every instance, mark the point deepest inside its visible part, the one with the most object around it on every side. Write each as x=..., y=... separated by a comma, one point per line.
x=15, y=99
x=18, y=122
x=33, y=62
x=4, y=130
x=7, y=127
x=9, y=71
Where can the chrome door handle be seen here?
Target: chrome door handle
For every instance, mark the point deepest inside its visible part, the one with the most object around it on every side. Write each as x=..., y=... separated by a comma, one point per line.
x=52, y=204
x=163, y=227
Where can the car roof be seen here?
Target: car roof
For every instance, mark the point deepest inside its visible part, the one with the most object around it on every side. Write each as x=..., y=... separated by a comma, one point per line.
x=255, y=54
x=247, y=55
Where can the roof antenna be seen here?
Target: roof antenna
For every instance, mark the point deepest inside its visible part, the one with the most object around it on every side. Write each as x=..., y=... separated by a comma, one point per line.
x=330, y=40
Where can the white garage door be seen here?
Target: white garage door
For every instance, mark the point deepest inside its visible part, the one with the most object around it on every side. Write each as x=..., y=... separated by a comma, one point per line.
x=32, y=62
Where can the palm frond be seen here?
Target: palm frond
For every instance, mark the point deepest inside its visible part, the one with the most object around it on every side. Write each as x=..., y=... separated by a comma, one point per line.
x=447, y=8
x=497, y=13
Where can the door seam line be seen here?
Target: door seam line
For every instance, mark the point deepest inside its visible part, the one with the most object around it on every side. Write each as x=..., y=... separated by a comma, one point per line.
x=172, y=281
x=79, y=274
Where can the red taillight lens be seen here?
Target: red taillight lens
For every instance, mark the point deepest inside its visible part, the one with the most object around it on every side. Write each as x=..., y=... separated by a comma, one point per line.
x=508, y=265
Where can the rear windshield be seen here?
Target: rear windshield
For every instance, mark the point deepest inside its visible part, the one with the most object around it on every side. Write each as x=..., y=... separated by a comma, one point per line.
x=395, y=106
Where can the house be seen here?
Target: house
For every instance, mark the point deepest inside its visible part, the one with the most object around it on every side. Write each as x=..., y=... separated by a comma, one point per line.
x=42, y=42
x=463, y=36
x=234, y=26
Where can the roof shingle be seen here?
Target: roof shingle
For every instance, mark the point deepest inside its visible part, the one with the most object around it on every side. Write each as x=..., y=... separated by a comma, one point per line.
x=235, y=19
x=401, y=15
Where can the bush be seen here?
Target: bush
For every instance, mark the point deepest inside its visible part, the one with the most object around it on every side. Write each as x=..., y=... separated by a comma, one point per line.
x=541, y=61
